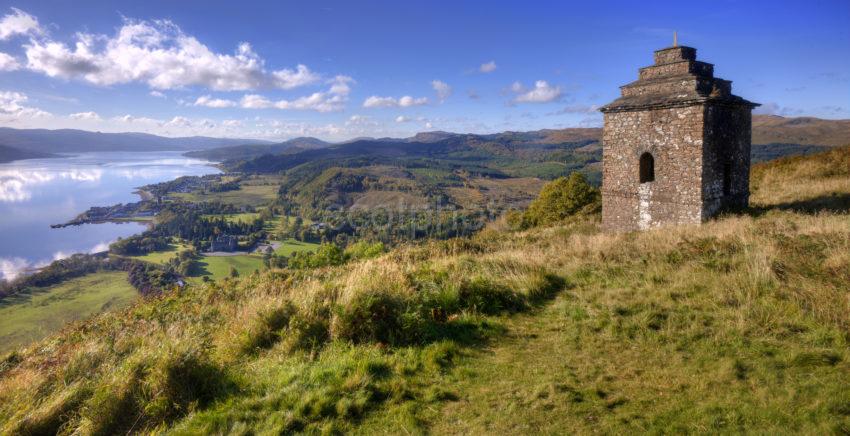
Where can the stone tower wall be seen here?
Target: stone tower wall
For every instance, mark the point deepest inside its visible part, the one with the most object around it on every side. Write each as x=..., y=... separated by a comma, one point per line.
x=728, y=132
x=698, y=134
x=674, y=137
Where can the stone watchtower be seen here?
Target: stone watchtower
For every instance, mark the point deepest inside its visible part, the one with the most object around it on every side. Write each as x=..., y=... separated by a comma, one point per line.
x=676, y=146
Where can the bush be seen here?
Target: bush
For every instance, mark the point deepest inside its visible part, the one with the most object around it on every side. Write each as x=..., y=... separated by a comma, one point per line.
x=326, y=255
x=486, y=296
x=364, y=250
x=266, y=329
x=558, y=200
x=371, y=316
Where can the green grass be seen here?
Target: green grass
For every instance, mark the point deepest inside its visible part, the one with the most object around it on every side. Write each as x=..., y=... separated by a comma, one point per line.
x=216, y=267
x=289, y=246
x=246, y=217
x=161, y=257
x=43, y=311
x=246, y=195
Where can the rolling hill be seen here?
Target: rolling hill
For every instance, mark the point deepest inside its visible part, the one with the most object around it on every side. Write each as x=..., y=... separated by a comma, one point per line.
x=773, y=136
x=70, y=140
x=8, y=154
x=773, y=129
x=247, y=151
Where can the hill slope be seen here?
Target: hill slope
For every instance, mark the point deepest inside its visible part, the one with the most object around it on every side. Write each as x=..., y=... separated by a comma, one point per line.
x=736, y=326
x=773, y=129
x=773, y=136
x=246, y=151
x=70, y=140
x=8, y=154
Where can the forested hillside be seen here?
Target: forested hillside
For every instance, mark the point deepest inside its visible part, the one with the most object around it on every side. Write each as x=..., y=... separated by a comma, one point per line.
x=736, y=326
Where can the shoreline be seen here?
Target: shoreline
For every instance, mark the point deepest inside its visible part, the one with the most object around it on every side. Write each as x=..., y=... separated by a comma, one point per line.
x=30, y=265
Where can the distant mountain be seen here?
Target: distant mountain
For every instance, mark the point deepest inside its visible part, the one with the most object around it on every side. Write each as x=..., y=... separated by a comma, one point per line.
x=773, y=136
x=70, y=140
x=772, y=129
x=8, y=154
x=246, y=151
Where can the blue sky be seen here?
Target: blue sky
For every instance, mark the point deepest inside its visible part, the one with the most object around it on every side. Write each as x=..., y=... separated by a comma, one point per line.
x=338, y=70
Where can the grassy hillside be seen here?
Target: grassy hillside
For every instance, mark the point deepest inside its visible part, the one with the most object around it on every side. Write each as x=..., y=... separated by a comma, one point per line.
x=43, y=311
x=739, y=325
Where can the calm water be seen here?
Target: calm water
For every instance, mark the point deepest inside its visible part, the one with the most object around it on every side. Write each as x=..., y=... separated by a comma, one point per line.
x=37, y=193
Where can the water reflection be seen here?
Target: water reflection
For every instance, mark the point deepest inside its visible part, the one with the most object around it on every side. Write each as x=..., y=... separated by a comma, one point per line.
x=15, y=184
x=39, y=192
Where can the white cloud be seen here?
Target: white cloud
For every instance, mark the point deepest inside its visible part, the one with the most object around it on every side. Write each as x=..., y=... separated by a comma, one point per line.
x=254, y=101
x=360, y=120
x=160, y=55
x=542, y=92
x=232, y=123
x=332, y=100
x=13, y=107
x=489, y=67
x=442, y=89
x=375, y=101
x=11, y=268
x=772, y=108
x=577, y=109
x=408, y=101
x=18, y=23
x=85, y=116
x=428, y=125
x=8, y=63
x=405, y=101
x=157, y=94
x=402, y=119
x=208, y=101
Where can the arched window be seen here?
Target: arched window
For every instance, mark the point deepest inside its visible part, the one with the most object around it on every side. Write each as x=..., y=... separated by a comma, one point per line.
x=647, y=168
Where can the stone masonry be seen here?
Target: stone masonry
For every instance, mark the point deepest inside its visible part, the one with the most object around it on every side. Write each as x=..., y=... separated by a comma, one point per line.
x=676, y=146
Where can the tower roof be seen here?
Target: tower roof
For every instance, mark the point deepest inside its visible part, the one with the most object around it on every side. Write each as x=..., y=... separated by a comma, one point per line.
x=676, y=78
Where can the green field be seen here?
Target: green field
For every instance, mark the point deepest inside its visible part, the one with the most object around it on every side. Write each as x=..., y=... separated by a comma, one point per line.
x=246, y=217
x=289, y=246
x=247, y=195
x=216, y=267
x=30, y=317
x=161, y=257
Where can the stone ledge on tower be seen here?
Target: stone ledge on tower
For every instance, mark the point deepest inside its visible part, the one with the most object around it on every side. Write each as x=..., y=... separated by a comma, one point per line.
x=676, y=79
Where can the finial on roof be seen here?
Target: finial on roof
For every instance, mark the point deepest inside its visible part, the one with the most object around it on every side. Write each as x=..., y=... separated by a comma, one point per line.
x=675, y=39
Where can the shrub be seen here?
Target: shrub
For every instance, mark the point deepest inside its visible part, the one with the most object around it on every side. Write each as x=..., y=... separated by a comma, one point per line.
x=364, y=250
x=265, y=330
x=305, y=333
x=370, y=316
x=559, y=199
x=483, y=295
x=326, y=255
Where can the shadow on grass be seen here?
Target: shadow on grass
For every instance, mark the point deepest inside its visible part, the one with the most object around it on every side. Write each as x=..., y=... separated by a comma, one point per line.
x=479, y=331
x=835, y=203
x=199, y=269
